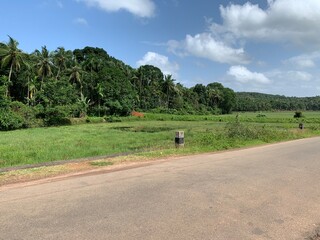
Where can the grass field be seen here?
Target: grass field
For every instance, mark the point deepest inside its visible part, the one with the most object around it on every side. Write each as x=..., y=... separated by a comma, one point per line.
x=153, y=135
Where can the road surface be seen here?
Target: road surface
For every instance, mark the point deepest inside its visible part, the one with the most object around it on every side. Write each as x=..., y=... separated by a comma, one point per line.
x=268, y=192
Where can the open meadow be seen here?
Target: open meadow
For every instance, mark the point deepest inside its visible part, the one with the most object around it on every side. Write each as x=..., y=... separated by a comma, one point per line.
x=152, y=136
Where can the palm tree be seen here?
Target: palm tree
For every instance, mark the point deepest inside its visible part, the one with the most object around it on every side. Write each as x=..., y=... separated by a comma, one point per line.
x=13, y=57
x=168, y=87
x=75, y=75
x=44, y=64
x=99, y=89
x=31, y=77
x=92, y=64
x=61, y=57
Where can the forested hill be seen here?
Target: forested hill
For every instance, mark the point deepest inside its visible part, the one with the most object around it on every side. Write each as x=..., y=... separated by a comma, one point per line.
x=50, y=87
x=250, y=101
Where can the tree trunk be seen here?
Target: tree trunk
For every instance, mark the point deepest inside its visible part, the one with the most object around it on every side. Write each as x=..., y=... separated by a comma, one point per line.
x=9, y=81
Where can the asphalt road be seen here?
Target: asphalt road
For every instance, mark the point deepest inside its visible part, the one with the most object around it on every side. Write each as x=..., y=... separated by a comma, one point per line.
x=269, y=192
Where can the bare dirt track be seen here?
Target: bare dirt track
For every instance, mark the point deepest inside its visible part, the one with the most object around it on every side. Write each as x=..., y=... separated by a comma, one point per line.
x=269, y=192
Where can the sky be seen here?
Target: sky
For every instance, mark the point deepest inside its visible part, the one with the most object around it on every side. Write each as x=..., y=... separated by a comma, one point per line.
x=267, y=46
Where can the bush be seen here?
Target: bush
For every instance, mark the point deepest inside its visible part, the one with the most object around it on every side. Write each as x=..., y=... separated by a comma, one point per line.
x=95, y=120
x=240, y=131
x=113, y=119
x=10, y=120
x=57, y=116
x=298, y=114
x=18, y=115
x=28, y=114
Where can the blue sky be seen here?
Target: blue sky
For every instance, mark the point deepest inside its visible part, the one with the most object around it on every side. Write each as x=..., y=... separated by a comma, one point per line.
x=268, y=46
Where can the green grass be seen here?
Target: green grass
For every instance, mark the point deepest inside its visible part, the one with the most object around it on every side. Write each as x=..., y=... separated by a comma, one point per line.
x=153, y=134
x=269, y=117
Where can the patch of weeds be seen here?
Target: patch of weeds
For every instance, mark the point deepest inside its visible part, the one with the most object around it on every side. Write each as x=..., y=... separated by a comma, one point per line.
x=101, y=164
x=147, y=129
x=111, y=119
x=240, y=131
x=150, y=129
x=124, y=128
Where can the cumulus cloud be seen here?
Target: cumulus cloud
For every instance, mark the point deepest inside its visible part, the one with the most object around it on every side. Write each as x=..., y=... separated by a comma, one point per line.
x=160, y=61
x=206, y=46
x=292, y=21
x=243, y=75
x=140, y=8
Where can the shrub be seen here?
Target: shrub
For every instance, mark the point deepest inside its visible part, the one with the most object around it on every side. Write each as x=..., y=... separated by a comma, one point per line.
x=240, y=131
x=10, y=120
x=57, y=116
x=298, y=114
x=28, y=114
x=113, y=119
x=95, y=120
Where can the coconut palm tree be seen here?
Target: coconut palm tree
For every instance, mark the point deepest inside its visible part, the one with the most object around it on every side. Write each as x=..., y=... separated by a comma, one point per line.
x=44, y=64
x=31, y=79
x=61, y=58
x=99, y=89
x=168, y=87
x=75, y=75
x=12, y=57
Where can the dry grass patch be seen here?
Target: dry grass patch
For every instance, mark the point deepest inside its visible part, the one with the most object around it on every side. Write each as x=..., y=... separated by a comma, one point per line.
x=31, y=174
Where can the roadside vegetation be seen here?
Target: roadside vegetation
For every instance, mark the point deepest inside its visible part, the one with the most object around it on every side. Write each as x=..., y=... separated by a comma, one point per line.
x=152, y=136
x=69, y=104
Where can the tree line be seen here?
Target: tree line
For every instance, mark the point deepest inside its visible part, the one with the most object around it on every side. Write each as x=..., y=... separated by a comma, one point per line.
x=51, y=86
x=246, y=101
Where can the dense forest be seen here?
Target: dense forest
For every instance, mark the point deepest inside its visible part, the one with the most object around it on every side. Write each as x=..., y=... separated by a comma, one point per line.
x=266, y=102
x=49, y=87
x=55, y=85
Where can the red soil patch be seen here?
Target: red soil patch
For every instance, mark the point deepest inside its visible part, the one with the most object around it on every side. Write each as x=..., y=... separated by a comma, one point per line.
x=137, y=114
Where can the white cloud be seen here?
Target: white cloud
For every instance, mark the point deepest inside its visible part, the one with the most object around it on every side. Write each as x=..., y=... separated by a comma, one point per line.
x=160, y=61
x=299, y=76
x=290, y=21
x=243, y=75
x=81, y=21
x=206, y=46
x=290, y=76
x=140, y=8
x=304, y=61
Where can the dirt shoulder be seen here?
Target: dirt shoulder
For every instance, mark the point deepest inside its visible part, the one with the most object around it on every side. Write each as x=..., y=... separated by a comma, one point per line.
x=36, y=175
